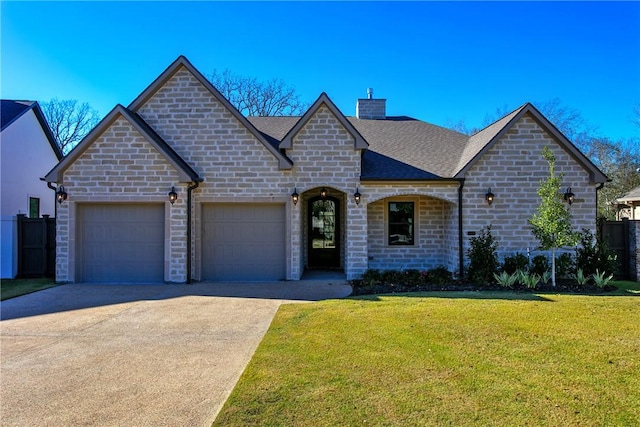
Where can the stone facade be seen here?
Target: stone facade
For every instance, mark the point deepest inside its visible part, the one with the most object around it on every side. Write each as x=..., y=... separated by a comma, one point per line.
x=121, y=166
x=238, y=166
x=513, y=169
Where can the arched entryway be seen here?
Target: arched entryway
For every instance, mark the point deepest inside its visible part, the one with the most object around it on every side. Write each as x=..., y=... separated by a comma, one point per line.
x=323, y=232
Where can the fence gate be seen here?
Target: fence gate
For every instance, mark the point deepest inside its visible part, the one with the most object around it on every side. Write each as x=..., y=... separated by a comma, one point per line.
x=36, y=246
x=616, y=235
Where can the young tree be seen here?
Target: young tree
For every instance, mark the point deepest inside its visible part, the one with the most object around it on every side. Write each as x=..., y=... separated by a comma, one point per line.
x=255, y=98
x=69, y=121
x=551, y=221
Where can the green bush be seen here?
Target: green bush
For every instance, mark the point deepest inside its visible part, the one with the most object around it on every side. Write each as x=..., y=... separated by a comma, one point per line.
x=565, y=266
x=392, y=277
x=593, y=254
x=371, y=277
x=539, y=265
x=439, y=276
x=412, y=277
x=514, y=263
x=483, y=258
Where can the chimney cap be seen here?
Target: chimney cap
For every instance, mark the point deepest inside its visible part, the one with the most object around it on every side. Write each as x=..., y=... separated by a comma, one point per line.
x=370, y=93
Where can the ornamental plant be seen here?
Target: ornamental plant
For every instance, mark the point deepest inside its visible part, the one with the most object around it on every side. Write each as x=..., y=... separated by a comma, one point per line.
x=551, y=222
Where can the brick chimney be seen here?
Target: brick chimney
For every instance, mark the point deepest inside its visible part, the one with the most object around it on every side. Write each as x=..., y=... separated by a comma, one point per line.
x=371, y=109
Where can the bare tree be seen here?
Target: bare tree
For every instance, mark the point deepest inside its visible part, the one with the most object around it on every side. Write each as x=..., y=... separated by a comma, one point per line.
x=257, y=98
x=69, y=121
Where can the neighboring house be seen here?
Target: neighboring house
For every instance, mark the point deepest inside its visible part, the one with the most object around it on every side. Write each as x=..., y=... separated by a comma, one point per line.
x=28, y=151
x=265, y=198
x=628, y=206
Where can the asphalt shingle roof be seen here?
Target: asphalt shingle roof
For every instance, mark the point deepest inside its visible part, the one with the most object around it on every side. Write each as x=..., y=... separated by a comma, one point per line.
x=633, y=195
x=399, y=147
x=10, y=110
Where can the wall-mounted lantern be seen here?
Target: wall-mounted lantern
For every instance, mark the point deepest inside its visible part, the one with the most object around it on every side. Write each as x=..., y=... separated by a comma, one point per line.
x=173, y=196
x=61, y=195
x=295, y=196
x=569, y=196
x=489, y=197
x=323, y=193
x=357, y=196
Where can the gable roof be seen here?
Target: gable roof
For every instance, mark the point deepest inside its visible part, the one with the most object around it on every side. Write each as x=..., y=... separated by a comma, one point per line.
x=11, y=110
x=421, y=145
x=631, y=196
x=167, y=74
x=323, y=99
x=483, y=140
x=186, y=172
x=404, y=147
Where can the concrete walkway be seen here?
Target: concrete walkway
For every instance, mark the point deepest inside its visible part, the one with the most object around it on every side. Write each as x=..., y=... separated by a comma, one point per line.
x=135, y=355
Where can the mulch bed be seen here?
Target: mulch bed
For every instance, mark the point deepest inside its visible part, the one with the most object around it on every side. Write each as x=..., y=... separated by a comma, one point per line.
x=362, y=288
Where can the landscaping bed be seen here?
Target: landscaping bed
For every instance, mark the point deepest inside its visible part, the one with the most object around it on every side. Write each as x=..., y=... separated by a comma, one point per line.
x=391, y=281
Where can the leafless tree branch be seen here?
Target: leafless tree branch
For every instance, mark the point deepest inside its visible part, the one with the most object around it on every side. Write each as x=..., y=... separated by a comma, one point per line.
x=69, y=121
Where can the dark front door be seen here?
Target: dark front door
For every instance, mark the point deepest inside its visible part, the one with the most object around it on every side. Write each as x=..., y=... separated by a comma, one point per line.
x=324, y=233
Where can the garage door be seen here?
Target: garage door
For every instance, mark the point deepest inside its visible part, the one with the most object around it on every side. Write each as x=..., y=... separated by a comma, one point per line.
x=121, y=243
x=243, y=242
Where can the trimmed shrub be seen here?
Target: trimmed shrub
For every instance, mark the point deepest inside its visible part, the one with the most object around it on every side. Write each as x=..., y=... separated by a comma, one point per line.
x=539, y=265
x=565, y=266
x=514, y=263
x=593, y=254
x=483, y=258
x=439, y=276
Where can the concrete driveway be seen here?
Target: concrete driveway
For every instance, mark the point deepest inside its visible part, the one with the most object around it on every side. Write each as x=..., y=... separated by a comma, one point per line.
x=135, y=355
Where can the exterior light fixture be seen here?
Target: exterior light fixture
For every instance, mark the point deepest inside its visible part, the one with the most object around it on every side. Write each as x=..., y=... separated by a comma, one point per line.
x=569, y=196
x=489, y=197
x=323, y=192
x=357, y=196
x=61, y=195
x=295, y=196
x=173, y=196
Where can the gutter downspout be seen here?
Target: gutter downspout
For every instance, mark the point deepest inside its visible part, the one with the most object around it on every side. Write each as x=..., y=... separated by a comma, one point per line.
x=190, y=188
x=460, y=250
x=598, y=188
x=55, y=204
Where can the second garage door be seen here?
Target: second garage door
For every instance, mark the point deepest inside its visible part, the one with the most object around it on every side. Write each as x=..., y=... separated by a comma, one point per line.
x=121, y=243
x=243, y=242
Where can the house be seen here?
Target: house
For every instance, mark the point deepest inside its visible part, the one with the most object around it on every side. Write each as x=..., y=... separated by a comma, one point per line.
x=628, y=206
x=28, y=151
x=179, y=186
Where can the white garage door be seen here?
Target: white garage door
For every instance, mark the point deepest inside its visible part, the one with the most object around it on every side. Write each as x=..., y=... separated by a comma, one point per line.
x=243, y=242
x=121, y=243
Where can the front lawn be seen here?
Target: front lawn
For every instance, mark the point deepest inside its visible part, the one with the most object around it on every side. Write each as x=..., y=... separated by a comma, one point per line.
x=448, y=358
x=10, y=288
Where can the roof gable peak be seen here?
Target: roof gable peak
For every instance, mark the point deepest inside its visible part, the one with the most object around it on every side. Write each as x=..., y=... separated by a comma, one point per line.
x=481, y=141
x=187, y=174
x=323, y=99
x=183, y=62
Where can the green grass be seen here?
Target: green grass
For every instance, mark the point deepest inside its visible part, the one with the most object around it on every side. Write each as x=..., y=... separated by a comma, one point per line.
x=16, y=287
x=475, y=358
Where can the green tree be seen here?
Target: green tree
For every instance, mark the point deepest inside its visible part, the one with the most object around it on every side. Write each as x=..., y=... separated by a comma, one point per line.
x=552, y=220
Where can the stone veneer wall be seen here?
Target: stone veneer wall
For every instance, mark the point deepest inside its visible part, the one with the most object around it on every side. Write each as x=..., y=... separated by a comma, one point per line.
x=437, y=226
x=120, y=166
x=324, y=155
x=513, y=168
x=429, y=250
x=237, y=168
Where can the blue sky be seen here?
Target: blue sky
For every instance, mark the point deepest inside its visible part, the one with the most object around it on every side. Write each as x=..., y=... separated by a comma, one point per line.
x=436, y=61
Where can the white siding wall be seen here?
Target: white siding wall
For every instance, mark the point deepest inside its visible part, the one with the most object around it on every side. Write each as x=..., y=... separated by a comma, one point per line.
x=26, y=156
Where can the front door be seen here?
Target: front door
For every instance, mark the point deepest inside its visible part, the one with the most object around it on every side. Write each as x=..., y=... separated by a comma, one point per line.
x=324, y=233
